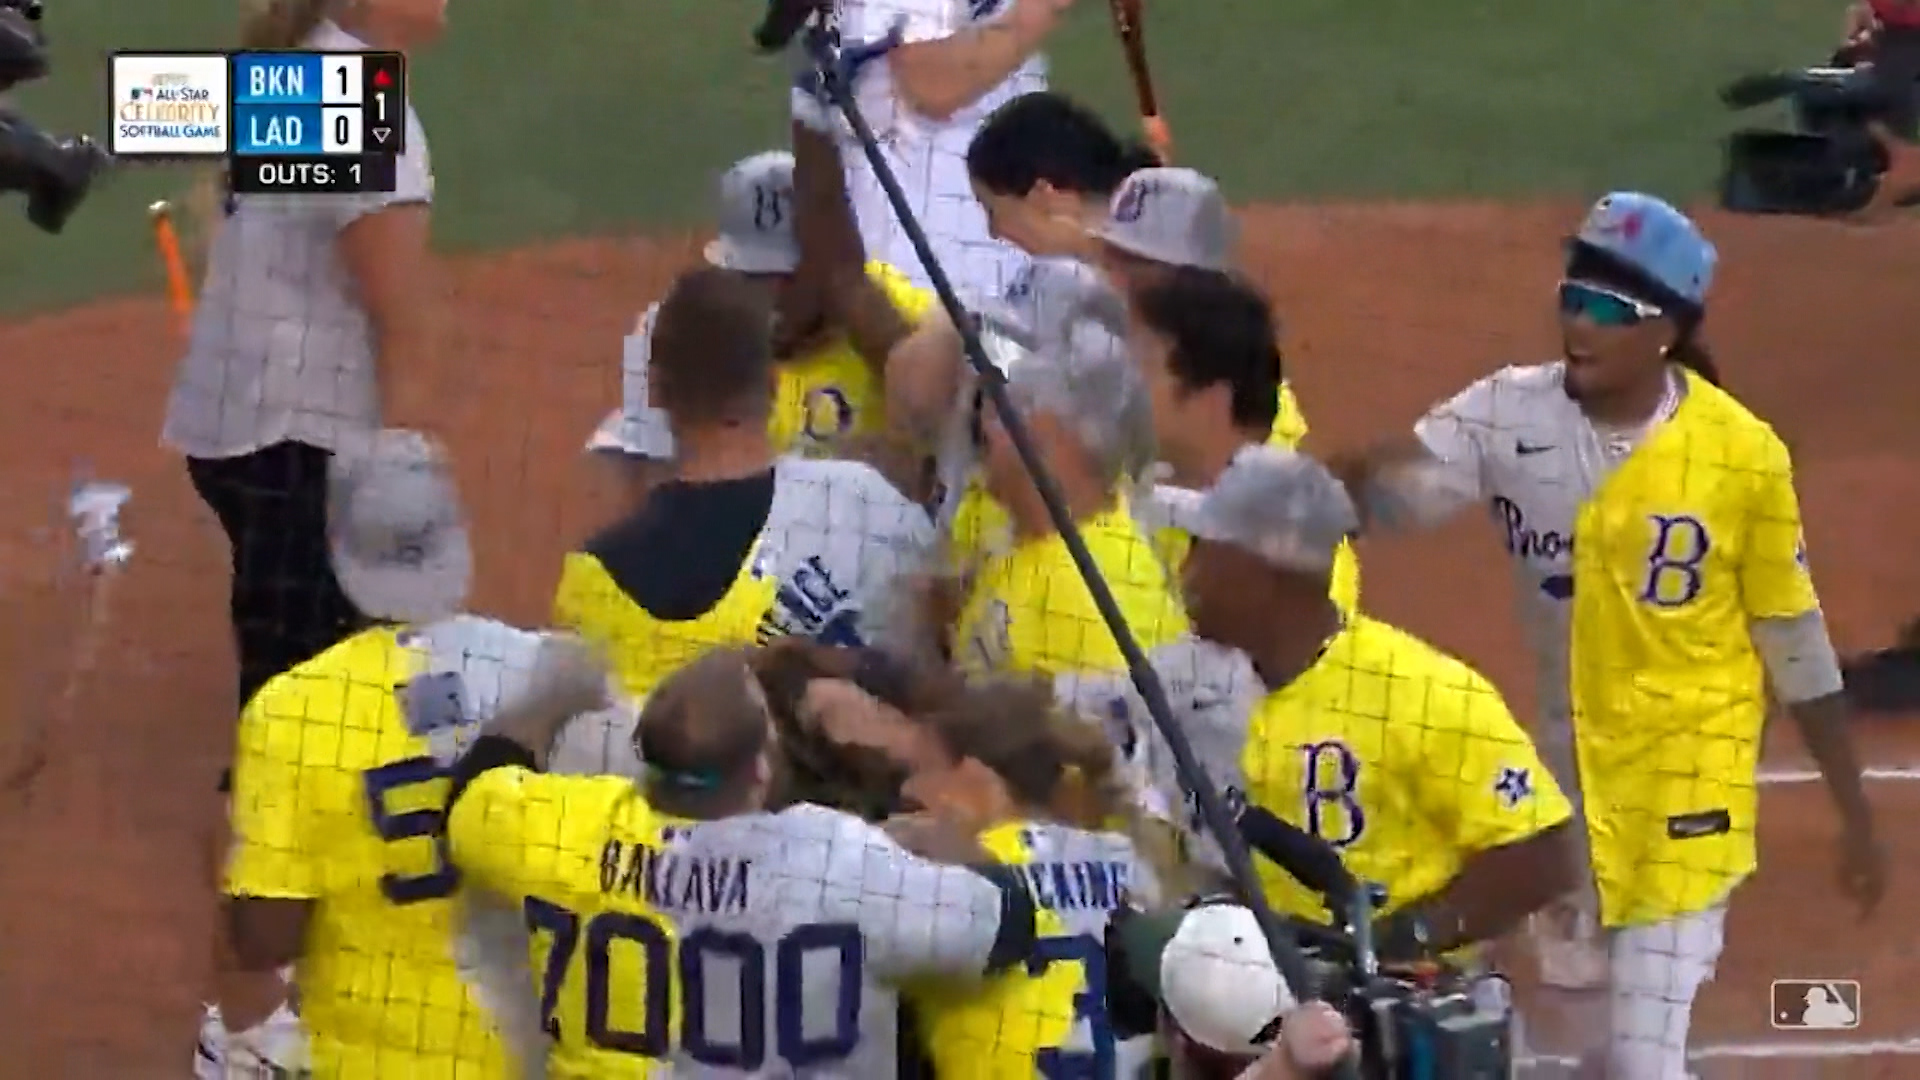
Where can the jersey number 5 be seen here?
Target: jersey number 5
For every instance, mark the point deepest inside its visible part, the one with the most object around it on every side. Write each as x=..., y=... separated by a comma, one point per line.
x=742, y=956
x=421, y=783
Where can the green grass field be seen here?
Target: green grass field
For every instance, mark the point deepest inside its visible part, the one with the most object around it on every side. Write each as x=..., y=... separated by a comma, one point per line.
x=614, y=117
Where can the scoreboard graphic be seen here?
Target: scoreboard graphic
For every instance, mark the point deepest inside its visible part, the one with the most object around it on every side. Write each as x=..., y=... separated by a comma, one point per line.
x=287, y=122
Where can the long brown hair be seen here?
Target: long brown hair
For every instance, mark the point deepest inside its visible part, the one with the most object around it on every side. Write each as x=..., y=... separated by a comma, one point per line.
x=811, y=767
x=1059, y=764
x=264, y=24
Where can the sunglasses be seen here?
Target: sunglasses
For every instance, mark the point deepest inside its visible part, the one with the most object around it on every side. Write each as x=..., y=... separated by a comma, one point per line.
x=1602, y=306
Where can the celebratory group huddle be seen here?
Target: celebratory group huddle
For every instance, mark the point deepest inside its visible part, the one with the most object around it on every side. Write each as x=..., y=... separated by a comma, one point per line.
x=830, y=765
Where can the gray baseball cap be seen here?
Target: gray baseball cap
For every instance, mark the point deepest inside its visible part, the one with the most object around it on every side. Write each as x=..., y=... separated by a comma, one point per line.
x=756, y=217
x=1280, y=505
x=396, y=530
x=1173, y=216
x=1048, y=295
x=1084, y=376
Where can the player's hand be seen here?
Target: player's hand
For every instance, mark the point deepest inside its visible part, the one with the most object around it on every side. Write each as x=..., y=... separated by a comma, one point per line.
x=849, y=716
x=937, y=837
x=1315, y=1037
x=1863, y=869
x=1860, y=24
x=569, y=677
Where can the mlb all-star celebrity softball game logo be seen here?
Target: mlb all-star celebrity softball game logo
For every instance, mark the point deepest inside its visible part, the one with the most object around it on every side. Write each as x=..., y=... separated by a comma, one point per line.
x=169, y=105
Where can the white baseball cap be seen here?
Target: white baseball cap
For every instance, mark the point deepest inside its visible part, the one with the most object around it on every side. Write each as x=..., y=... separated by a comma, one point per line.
x=396, y=531
x=638, y=428
x=1219, y=983
x=756, y=217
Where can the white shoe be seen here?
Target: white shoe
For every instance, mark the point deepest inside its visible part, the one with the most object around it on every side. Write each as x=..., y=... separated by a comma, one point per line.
x=1567, y=946
x=273, y=1049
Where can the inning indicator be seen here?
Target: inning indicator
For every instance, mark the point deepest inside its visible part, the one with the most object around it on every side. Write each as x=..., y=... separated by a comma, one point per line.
x=315, y=122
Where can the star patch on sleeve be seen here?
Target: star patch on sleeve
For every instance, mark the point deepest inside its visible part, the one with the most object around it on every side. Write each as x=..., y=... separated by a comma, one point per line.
x=1513, y=786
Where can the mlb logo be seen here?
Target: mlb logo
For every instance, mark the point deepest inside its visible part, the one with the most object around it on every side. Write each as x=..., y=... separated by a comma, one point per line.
x=1816, y=1004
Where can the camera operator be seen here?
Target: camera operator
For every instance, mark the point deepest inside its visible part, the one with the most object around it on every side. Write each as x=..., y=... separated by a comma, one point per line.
x=1203, y=978
x=1868, y=21
x=55, y=173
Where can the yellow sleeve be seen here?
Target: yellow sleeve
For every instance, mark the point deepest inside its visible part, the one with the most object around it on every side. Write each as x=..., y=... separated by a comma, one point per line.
x=273, y=852
x=910, y=300
x=1475, y=773
x=518, y=832
x=576, y=599
x=1345, y=586
x=1289, y=423
x=789, y=409
x=1774, y=580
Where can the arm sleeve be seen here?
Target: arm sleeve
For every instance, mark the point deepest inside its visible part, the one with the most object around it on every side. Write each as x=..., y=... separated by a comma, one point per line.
x=1799, y=657
x=274, y=853
x=1774, y=580
x=920, y=918
x=1474, y=772
x=1454, y=434
x=926, y=20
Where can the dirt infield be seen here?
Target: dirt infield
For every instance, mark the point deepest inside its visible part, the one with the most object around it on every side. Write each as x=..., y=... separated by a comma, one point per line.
x=105, y=903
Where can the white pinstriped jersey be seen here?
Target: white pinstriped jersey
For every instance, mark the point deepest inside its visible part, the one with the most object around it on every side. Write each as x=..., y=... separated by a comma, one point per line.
x=1212, y=691
x=280, y=348
x=1516, y=441
x=929, y=157
x=820, y=915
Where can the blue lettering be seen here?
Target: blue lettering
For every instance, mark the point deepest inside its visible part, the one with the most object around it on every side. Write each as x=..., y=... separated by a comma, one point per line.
x=1525, y=542
x=1331, y=793
x=1680, y=545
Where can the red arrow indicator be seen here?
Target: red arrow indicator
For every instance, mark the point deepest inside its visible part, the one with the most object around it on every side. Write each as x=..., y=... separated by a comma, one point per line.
x=382, y=79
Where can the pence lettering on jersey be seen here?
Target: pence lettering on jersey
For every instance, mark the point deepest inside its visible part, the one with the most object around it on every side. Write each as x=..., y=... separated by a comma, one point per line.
x=842, y=542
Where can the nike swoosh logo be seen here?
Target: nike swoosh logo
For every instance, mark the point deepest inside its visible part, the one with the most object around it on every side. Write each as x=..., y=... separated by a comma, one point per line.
x=206, y=1052
x=1525, y=448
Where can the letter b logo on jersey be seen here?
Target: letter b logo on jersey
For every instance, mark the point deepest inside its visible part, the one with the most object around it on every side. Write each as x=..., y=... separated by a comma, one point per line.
x=1331, y=790
x=1680, y=545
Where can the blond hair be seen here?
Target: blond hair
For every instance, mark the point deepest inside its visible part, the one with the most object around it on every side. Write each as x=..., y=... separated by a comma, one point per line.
x=264, y=24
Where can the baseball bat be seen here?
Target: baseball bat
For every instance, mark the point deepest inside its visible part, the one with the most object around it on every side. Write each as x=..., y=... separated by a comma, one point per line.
x=1129, y=22
x=166, y=240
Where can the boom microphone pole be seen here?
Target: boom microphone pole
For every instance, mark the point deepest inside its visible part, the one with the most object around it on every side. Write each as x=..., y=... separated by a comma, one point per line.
x=835, y=79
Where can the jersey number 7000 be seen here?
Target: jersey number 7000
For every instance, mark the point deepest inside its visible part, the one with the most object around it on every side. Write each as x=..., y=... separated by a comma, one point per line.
x=662, y=961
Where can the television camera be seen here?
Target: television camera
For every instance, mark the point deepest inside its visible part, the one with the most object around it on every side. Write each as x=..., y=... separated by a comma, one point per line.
x=1426, y=1021
x=54, y=172
x=1829, y=162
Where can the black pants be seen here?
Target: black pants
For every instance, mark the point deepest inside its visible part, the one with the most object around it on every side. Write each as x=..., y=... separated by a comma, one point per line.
x=286, y=604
